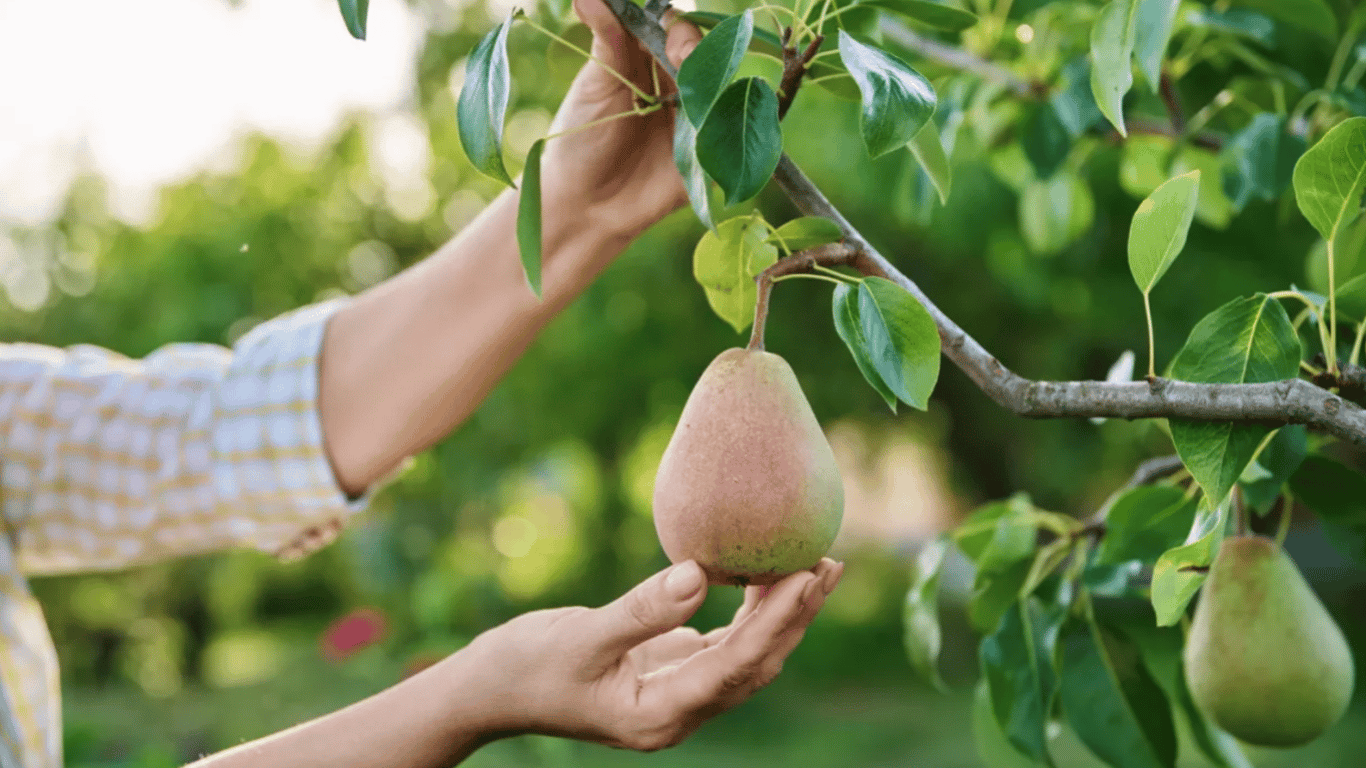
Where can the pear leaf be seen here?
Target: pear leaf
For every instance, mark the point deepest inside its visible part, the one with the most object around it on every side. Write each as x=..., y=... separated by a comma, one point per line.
x=1112, y=51
x=920, y=616
x=529, y=217
x=1159, y=228
x=725, y=263
x=1247, y=340
x=903, y=340
x=483, y=104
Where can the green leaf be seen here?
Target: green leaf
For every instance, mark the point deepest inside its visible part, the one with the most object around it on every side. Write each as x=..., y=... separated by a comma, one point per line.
x=1144, y=522
x=1246, y=341
x=1045, y=139
x=1212, y=206
x=1112, y=702
x=529, y=217
x=896, y=100
x=712, y=64
x=1112, y=51
x=1161, y=649
x=1330, y=177
x=1152, y=32
x=1280, y=458
x=994, y=592
x=483, y=103
x=354, y=13
x=903, y=341
x=920, y=617
x=1337, y=494
x=725, y=263
x=993, y=747
x=1073, y=102
x=1258, y=160
x=929, y=152
x=1159, y=228
x=850, y=330
x=1055, y=212
x=1174, y=581
x=740, y=142
x=1017, y=662
x=927, y=12
x=806, y=232
x=984, y=529
x=1237, y=21
x=694, y=178
x=1312, y=15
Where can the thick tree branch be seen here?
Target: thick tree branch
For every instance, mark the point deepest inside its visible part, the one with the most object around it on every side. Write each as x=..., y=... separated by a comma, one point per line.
x=1293, y=401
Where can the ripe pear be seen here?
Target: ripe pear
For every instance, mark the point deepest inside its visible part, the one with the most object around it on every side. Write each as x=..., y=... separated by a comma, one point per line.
x=748, y=485
x=1264, y=659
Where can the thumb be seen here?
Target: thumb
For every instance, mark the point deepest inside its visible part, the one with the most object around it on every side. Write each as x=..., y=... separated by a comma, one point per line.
x=609, y=39
x=655, y=606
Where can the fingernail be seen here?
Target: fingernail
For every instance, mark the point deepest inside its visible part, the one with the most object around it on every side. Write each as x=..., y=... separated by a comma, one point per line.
x=683, y=580
x=832, y=577
x=810, y=590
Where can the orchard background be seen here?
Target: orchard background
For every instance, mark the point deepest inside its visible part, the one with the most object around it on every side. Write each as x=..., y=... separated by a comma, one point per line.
x=542, y=498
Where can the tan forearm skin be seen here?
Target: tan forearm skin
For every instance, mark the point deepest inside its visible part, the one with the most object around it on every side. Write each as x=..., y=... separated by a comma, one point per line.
x=433, y=719
x=410, y=359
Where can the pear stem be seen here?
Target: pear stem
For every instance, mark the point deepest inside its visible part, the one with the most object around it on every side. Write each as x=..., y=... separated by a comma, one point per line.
x=1287, y=510
x=765, y=289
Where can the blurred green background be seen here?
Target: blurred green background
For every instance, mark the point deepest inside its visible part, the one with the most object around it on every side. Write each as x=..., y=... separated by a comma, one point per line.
x=542, y=498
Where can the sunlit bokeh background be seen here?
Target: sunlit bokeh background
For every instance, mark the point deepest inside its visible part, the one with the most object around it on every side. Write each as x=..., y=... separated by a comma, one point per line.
x=179, y=170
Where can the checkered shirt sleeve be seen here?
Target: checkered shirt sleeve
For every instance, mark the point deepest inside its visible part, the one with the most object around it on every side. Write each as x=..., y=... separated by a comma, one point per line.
x=107, y=461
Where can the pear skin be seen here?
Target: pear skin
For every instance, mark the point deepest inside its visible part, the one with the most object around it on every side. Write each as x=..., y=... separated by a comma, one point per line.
x=748, y=485
x=1264, y=660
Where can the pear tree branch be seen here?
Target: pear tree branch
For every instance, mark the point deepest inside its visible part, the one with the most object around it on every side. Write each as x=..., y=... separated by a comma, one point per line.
x=1293, y=401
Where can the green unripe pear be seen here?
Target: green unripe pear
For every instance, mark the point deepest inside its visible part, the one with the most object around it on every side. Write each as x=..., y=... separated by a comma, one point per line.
x=748, y=486
x=1264, y=660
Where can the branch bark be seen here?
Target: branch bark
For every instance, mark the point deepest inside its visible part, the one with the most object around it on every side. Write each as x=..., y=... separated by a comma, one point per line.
x=959, y=59
x=1293, y=401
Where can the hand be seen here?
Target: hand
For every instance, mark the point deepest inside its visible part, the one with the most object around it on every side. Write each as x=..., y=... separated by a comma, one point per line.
x=622, y=172
x=629, y=675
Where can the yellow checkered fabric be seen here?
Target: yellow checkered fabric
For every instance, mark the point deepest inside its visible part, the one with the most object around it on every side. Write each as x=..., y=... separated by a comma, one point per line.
x=107, y=462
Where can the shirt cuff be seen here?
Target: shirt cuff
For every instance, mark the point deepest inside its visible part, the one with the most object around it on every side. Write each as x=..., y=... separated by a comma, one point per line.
x=270, y=407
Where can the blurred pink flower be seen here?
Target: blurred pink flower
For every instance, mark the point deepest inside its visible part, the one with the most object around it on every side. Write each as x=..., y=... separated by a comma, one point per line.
x=354, y=631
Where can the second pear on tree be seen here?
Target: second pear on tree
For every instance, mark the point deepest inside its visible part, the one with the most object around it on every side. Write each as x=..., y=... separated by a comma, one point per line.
x=1264, y=660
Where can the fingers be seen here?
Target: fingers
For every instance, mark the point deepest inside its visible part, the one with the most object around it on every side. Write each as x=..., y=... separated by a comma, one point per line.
x=609, y=39
x=730, y=671
x=683, y=37
x=655, y=606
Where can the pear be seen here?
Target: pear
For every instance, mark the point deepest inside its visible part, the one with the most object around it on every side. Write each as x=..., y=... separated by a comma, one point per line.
x=748, y=485
x=1264, y=660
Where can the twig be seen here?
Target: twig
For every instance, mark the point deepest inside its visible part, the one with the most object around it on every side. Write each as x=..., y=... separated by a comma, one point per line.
x=1173, y=102
x=794, y=68
x=959, y=59
x=831, y=255
x=1293, y=401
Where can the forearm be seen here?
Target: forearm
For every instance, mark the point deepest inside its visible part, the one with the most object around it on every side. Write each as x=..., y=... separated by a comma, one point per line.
x=434, y=719
x=407, y=361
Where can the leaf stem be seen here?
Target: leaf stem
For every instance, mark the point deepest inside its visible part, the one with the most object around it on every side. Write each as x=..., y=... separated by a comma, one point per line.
x=606, y=67
x=1314, y=310
x=1356, y=344
x=1148, y=313
x=810, y=276
x=609, y=118
x=1331, y=352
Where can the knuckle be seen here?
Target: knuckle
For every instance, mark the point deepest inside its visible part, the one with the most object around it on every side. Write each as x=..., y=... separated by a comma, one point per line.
x=640, y=609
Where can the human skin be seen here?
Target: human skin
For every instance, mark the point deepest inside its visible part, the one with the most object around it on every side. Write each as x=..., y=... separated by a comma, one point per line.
x=407, y=361
x=628, y=675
